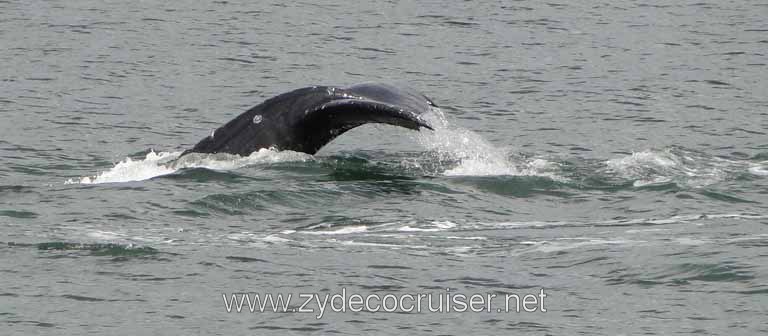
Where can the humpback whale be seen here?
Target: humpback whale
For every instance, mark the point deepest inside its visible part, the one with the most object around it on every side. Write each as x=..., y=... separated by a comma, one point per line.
x=306, y=119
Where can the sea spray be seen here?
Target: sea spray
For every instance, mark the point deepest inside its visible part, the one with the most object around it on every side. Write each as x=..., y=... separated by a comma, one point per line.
x=164, y=163
x=461, y=152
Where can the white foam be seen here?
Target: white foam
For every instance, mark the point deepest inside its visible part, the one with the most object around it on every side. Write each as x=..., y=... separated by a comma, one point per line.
x=642, y=158
x=413, y=229
x=224, y=162
x=275, y=239
x=158, y=164
x=432, y=227
x=342, y=231
x=653, y=181
x=759, y=169
x=242, y=237
x=462, y=152
x=646, y=230
x=738, y=216
x=758, y=237
x=466, y=238
x=105, y=235
x=475, y=156
x=673, y=165
x=130, y=170
x=357, y=243
x=617, y=222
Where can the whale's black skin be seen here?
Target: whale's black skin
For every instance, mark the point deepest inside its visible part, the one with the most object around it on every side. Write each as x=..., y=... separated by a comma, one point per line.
x=305, y=120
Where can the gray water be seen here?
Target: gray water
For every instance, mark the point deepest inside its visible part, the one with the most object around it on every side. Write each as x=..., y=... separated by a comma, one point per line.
x=613, y=155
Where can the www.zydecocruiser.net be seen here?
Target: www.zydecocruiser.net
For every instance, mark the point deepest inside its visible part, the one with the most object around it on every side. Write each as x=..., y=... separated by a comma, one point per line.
x=342, y=302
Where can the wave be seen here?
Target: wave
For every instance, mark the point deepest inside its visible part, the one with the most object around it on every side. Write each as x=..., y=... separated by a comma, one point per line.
x=455, y=236
x=681, y=166
x=759, y=168
x=96, y=249
x=460, y=226
x=165, y=163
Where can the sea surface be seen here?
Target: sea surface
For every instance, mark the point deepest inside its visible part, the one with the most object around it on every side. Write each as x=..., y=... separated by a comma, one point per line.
x=612, y=155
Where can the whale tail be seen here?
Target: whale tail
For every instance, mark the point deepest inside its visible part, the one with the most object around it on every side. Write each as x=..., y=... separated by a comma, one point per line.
x=305, y=120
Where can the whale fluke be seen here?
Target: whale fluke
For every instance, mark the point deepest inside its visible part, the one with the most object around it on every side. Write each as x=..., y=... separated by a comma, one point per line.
x=305, y=120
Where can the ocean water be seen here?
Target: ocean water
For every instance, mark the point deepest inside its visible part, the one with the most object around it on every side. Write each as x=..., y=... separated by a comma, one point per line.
x=611, y=155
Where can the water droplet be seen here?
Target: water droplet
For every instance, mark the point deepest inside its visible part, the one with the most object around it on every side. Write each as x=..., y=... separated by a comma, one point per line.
x=257, y=119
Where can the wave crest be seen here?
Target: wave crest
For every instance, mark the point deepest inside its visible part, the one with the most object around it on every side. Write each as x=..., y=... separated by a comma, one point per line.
x=164, y=163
